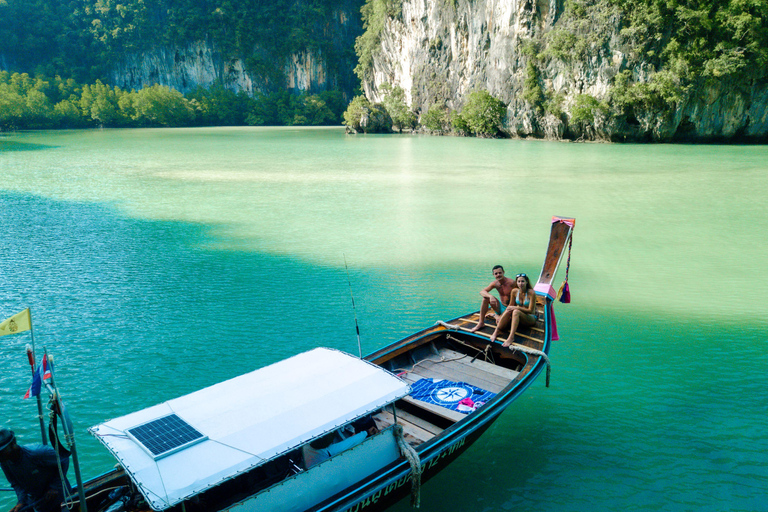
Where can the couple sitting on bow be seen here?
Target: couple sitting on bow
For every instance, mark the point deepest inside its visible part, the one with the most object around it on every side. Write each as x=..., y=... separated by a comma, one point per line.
x=517, y=305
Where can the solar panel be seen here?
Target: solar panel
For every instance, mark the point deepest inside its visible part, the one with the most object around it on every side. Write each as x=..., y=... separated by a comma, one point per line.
x=166, y=435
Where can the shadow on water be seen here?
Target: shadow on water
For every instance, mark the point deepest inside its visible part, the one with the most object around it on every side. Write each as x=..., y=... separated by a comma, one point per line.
x=15, y=145
x=114, y=298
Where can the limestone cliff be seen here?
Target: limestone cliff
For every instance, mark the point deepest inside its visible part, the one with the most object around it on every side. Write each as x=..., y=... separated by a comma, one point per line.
x=439, y=51
x=201, y=63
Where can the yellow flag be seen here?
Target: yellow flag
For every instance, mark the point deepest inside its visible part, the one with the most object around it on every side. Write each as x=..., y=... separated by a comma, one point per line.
x=19, y=322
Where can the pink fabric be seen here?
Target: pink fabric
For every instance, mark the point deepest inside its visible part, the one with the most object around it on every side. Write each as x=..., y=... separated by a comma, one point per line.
x=545, y=289
x=553, y=323
x=570, y=222
x=466, y=405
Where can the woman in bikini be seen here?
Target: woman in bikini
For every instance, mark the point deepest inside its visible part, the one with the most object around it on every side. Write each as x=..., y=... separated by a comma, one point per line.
x=521, y=309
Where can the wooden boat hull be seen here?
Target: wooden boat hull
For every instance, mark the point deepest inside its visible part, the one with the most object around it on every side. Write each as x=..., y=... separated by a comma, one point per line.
x=438, y=436
x=393, y=483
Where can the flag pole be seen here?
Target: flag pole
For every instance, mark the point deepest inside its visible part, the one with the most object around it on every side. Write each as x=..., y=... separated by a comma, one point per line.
x=34, y=369
x=359, y=346
x=69, y=433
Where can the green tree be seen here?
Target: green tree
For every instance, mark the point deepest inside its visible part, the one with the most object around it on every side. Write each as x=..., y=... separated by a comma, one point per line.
x=458, y=123
x=38, y=110
x=586, y=111
x=436, y=118
x=220, y=106
x=66, y=114
x=366, y=117
x=484, y=114
x=12, y=107
x=162, y=106
x=397, y=108
x=334, y=100
x=99, y=103
x=357, y=110
x=314, y=111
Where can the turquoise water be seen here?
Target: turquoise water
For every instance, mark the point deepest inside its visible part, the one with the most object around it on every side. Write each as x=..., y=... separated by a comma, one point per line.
x=157, y=262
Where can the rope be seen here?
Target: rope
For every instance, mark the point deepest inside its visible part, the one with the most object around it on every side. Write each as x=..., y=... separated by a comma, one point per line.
x=533, y=351
x=568, y=261
x=514, y=346
x=400, y=371
x=563, y=294
x=487, y=353
x=69, y=498
x=410, y=453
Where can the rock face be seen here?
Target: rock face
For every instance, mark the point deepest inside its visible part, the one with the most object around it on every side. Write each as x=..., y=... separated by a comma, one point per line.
x=183, y=69
x=439, y=51
x=201, y=63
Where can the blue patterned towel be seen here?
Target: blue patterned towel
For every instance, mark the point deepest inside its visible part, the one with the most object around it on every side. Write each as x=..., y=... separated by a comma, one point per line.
x=457, y=396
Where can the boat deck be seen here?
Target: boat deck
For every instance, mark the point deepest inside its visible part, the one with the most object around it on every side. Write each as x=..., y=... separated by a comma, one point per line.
x=443, y=364
x=529, y=336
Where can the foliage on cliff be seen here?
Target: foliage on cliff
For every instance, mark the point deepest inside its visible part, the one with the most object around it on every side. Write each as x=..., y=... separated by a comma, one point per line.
x=362, y=116
x=32, y=103
x=375, y=14
x=482, y=116
x=79, y=38
x=636, y=69
x=670, y=45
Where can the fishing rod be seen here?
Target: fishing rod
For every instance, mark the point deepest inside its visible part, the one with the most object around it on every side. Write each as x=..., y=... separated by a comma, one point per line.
x=357, y=328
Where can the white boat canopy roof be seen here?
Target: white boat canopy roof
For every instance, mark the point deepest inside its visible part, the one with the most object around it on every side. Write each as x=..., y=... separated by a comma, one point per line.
x=243, y=422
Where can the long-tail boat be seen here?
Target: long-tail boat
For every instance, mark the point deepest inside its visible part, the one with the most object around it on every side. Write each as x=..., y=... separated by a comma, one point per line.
x=347, y=433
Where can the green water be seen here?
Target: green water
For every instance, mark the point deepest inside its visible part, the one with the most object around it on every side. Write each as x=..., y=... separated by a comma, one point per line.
x=160, y=261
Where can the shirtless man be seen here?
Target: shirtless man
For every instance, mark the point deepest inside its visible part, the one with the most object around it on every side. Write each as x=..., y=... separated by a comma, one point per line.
x=504, y=286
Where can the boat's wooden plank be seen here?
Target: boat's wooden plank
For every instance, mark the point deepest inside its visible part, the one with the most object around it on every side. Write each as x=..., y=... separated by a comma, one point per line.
x=537, y=327
x=460, y=373
x=436, y=409
x=408, y=427
x=436, y=371
x=558, y=237
x=404, y=346
x=488, y=334
x=455, y=371
x=466, y=373
x=419, y=422
x=488, y=330
x=485, y=366
x=537, y=340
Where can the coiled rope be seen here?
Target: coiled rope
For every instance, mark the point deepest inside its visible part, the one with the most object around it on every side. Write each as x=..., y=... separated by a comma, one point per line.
x=410, y=453
x=514, y=346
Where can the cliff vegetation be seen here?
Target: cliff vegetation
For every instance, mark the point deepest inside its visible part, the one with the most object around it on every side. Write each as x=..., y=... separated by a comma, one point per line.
x=579, y=69
x=81, y=39
x=182, y=53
